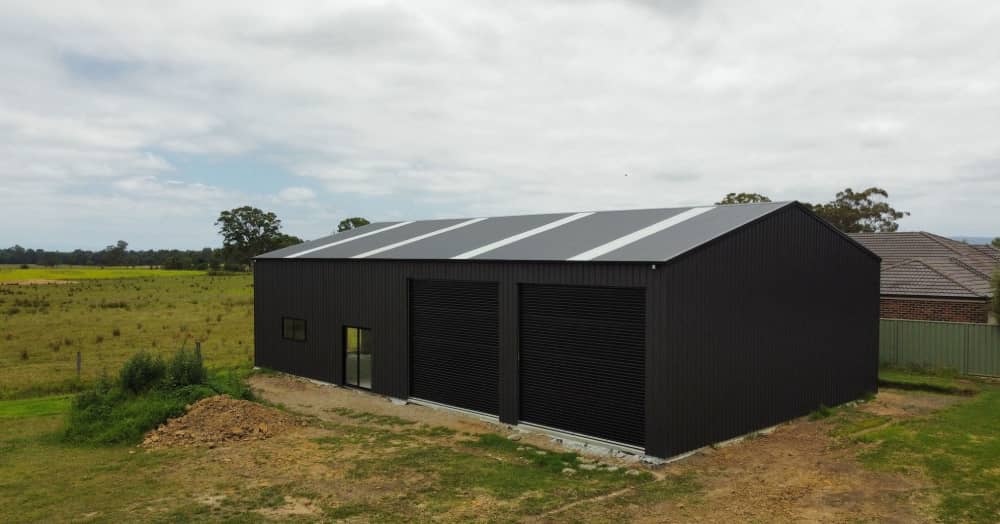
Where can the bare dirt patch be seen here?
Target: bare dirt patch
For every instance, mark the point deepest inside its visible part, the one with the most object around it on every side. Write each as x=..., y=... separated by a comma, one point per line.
x=795, y=474
x=218, y=419
x=326, y=401
x=907, y=404
x=800, y=472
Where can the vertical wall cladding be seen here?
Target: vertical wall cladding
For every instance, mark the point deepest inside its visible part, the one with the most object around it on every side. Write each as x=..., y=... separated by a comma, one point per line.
x=758, y=327
x=331, y=294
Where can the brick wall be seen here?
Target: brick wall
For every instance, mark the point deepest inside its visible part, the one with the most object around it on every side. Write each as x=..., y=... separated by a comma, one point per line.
x=942, y=310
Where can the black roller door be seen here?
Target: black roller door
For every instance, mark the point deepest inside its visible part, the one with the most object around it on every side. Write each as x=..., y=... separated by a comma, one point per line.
x=455, y=343
x=583, y=360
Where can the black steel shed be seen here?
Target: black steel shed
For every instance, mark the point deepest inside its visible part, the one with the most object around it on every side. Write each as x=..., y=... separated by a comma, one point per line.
x=660, y=330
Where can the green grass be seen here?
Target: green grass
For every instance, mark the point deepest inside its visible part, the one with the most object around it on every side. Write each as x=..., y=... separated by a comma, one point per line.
x=530, y=480
x=941, y=382
x=42, y=327
x=35, y=407
x=15, y=273
x=957, y=448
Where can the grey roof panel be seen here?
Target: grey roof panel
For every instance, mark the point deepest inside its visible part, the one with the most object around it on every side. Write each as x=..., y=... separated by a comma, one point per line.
x=691, y=233
x=309, y=244
x=639, y=235
x=363, y=245
x=579, y=236
x=470, y=237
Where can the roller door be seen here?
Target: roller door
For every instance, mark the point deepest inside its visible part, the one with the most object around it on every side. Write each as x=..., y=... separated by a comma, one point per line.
x=582, y=360
x=455, y=343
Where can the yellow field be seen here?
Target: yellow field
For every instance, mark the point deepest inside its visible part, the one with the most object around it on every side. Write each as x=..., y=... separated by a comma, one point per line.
x=11, y=273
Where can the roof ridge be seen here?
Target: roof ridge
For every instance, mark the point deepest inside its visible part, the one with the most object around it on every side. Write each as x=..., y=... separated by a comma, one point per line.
x=905, y=261
x=969, y=267
x=952, y=280
x=937, y=239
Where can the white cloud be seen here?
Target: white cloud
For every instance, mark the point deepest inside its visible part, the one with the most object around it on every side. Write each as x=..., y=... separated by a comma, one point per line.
x=296, y=194
x=466, y=108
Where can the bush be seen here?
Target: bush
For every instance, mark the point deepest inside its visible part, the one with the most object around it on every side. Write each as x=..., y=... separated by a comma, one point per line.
x=141, y=372
x=146, y=394
x=186, y=368
x=109, y=415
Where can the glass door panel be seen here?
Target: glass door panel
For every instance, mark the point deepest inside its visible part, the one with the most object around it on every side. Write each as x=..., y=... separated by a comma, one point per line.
x=364, y=359
x=351, y=356
x=358, y=357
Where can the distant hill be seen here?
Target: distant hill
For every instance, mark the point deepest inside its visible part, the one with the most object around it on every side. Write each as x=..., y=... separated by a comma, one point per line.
x=974, y=240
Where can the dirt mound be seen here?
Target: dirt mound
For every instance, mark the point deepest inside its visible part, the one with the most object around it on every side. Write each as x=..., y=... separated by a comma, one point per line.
x=215, y=420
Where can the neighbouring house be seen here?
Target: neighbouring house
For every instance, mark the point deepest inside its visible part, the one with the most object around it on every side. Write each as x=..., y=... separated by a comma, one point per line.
x=656, y=330
x=931, y=277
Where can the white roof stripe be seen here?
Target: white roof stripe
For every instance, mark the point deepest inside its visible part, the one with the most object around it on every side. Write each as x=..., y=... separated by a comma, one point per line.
x=520, y=236
x=419, y=237
x=344, y=241
x=636, y=236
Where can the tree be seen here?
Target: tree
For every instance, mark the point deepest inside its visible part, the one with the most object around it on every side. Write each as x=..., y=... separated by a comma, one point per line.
x=861, y=212
x=743, y=198
x=996, y=242
x=348, y=224
x=247, y=232
x=114, y=255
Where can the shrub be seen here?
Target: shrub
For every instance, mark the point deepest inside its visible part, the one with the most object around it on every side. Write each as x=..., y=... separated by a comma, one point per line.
x=116, y=332
x=186, y=368
x=112, y=413
x=141, y=372
x=24, y=354
x=109, y=415
x=821, y=412
x=996, y=293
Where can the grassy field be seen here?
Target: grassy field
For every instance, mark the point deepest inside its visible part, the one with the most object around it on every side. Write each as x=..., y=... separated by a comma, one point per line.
x=9, y=273
x=373, y=467
x=959, y=449
x=413, y=472
x=42, y=327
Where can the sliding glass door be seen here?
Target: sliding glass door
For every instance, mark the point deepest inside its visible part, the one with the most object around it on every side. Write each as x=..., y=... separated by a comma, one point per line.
x=357, y=357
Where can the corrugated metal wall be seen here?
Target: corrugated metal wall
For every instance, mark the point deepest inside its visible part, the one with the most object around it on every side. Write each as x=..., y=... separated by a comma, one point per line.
x=330, y=294
x=972, y=349
x=756, y=328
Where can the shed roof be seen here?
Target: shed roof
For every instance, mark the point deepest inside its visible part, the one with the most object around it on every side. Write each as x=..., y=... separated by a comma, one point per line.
x=639, y=235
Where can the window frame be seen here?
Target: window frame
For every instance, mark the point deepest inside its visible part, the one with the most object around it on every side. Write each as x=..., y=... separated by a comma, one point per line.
x=292, y=338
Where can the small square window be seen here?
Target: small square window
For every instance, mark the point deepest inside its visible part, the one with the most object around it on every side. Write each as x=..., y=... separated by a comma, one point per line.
x=293, y=329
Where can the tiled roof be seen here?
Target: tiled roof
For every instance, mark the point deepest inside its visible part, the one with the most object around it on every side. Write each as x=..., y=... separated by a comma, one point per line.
x=920, y=277
x=988, y=250
x=924, y=264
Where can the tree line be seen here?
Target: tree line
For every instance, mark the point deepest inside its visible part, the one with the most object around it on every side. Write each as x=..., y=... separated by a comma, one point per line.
x=246, y=232
x=117, y=255
x=866, y=211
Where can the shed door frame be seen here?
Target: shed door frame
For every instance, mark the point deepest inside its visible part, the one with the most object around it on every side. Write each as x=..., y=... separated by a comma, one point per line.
x=554, y=366
x=492, y=345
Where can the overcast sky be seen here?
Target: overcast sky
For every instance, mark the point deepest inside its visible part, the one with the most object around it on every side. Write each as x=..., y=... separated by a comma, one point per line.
x=141, y=121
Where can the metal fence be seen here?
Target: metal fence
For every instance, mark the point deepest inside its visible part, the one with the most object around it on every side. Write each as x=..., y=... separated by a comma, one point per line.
x=970, y=349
